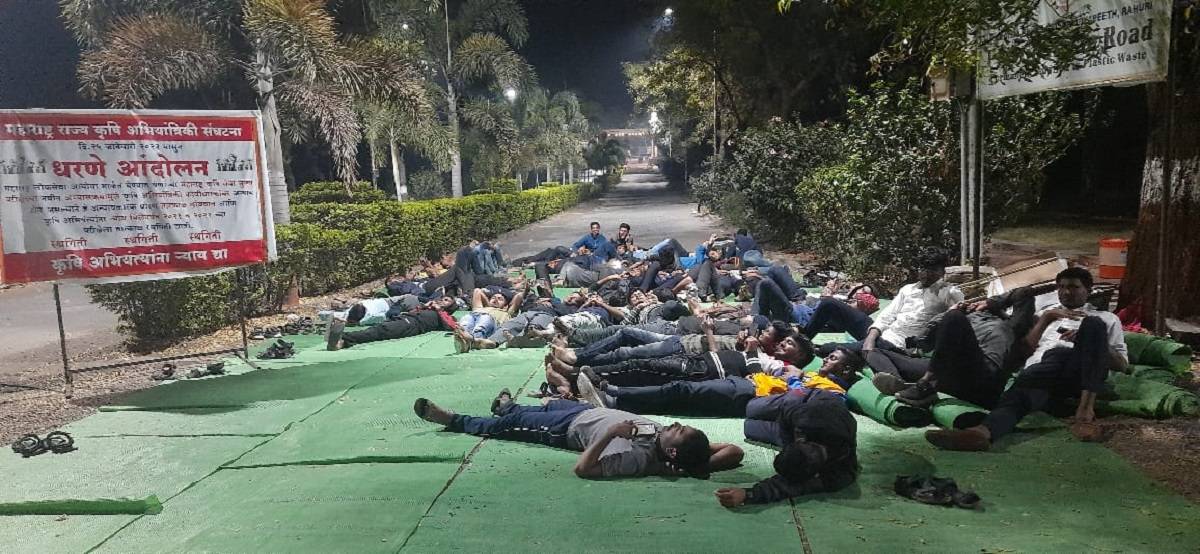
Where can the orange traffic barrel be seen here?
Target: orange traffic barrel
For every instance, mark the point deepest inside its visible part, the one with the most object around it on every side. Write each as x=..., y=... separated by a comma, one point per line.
x=1113, y=253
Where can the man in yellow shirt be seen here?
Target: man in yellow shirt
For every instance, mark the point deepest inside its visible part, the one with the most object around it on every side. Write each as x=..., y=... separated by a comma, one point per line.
x=728, y=397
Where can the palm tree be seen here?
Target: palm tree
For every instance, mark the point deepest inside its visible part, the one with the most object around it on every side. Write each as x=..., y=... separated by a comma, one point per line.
x=553, y=128
x=289, y=51
x=465, y=41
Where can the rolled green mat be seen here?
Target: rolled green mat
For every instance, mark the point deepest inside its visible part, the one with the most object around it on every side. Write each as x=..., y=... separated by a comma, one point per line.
x=96, y=507
x=1152, y=373
x=1170, y=355
x=864, y=398
x=1145, y=398
x=1136, y=343
x=952, y=413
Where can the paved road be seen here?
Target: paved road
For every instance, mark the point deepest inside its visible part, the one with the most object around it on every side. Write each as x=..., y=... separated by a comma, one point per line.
x=27, y=322
x=30, y=329
x=641, y=200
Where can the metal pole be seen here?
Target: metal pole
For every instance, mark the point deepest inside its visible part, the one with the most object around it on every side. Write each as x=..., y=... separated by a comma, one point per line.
x=972, y=180
x=241, y=287
x=964, y=237
x=68, y=384
x=977, y=144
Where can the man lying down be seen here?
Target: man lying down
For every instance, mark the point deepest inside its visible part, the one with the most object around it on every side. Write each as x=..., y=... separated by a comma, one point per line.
x=613, y=443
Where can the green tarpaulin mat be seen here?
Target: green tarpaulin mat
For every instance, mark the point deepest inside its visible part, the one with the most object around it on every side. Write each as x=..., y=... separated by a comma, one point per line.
x=343, y=508
x=953, y=413
x=528, y=498
x=1042, y=491
x=864, y=398
x=376, y=417
x=1146, y=398
x=119, y=467
x=95, y=507
x=1153, y=351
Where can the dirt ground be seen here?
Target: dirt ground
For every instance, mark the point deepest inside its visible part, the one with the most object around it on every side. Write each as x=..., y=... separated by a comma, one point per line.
x=1168, y=451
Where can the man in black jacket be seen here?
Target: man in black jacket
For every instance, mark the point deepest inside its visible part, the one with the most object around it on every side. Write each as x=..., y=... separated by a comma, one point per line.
x=818, y=436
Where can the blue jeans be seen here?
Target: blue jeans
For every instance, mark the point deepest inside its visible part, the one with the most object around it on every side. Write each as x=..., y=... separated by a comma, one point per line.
x=536, y=424
x=629, y=344
x=486, y=259
x=833, y=315
x=754, y=258
x=478, y=324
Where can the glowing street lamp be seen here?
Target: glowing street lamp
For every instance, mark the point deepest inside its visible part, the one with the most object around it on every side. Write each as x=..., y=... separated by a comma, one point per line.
x=668, y=12
x=510, y=94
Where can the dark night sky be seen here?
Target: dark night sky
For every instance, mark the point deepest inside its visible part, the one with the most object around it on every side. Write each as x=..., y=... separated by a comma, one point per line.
x=580, y=45
x=574, y=44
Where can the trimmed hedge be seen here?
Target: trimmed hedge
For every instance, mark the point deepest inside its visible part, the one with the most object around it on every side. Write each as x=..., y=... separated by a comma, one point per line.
x=329, y=246
x=318, y=192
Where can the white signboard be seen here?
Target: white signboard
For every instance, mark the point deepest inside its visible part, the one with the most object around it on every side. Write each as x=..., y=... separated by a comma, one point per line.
x=111, y=196
x=1134, y=34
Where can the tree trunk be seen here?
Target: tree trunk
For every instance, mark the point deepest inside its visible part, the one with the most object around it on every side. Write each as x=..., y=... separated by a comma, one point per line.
x=374, y=164
x=571, y=172
x=1181, y=248
x=399, y=172
x=456, y=185
x=273, y=140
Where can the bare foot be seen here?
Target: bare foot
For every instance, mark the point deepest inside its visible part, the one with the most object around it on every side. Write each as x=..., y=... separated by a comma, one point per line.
x=431, y=412
x=560, y=367
x=567, y=355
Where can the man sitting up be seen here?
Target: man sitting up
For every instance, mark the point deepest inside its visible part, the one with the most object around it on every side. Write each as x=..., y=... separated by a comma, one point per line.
x=819, y=440
x=595, y=243
x=913, y=307
x=1075, y=345
x=614, y=443
x=433, y=316
x=973, y=349
x=488, y=311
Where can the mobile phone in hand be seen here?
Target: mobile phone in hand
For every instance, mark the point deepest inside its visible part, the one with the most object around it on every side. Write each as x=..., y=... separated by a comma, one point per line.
x=644, y=430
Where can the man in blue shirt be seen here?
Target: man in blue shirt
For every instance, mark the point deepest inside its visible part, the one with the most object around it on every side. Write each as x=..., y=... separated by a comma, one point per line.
x=596, y=243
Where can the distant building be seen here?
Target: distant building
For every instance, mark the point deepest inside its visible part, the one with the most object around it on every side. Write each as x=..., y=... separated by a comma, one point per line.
x=638, y=143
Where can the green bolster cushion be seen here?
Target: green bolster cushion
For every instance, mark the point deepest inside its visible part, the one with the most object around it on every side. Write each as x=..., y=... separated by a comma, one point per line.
x=865, y=399
x=952, y=413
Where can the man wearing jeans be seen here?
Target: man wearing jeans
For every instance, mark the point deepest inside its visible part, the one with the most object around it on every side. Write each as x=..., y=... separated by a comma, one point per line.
x=1075, y=346
x=819, y=440
x=973, y=354
x=613, y=443
x=630, y=343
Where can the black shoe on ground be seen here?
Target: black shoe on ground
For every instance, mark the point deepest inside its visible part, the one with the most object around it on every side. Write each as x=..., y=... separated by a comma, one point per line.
x=921, y=395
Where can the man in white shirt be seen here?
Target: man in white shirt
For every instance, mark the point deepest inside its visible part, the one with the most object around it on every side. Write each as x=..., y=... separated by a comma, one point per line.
x=914, y=306
x=1075, y=345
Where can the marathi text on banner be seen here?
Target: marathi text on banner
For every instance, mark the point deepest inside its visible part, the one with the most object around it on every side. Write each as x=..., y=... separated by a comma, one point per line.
x=110, y=196
x=1134, y=35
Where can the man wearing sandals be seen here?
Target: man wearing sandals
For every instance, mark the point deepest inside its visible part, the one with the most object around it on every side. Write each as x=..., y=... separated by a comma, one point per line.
x=613, y=443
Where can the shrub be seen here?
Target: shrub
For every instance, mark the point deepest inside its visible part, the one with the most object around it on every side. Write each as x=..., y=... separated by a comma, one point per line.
x=500, y=186
x=318, y=192
x=867, y=194
x=328, y=247
x=428, y=184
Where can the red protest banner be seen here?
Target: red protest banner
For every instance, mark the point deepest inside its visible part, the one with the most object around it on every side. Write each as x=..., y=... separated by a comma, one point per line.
x=111, y=196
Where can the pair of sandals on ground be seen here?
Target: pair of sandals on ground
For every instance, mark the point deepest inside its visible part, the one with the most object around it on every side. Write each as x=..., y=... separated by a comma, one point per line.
x=58, y=442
